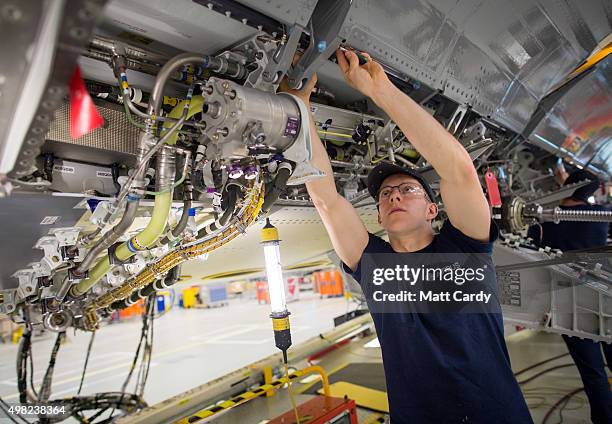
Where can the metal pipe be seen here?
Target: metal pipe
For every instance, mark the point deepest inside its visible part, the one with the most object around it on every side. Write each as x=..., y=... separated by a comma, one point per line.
x=349, y=175
x=356, y=166
x=215, y=64
x=166, y=170
x=88, y=238
x=111, y=236
x=557, y=215
x=63, y=290
x=148, y=155
x=362, y=195
x=405, y=161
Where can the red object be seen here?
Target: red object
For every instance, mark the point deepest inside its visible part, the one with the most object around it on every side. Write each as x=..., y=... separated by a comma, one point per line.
x=322, y=353
x=291, y=286
x=263, y=296
x=320, y=410
x=84, y=118
x=492, y=189
x=329, y=283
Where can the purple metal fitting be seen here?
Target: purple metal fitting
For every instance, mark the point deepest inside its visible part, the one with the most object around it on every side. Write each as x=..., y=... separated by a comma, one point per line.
x=234, y=171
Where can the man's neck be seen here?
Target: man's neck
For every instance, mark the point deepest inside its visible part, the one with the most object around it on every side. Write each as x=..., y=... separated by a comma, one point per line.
x=411, y=242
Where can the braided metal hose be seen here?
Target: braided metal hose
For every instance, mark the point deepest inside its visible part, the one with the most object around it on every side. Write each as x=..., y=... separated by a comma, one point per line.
x=557, y=215
x=213, y=241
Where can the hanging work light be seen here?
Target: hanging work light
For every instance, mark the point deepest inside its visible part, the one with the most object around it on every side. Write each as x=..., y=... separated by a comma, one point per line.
x=276, y=288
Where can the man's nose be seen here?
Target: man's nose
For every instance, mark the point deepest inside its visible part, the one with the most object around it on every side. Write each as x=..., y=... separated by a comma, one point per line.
x=395, y=195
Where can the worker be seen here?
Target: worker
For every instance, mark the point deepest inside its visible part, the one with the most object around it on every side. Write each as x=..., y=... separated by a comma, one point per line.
x=568, y=235
x=439, y=368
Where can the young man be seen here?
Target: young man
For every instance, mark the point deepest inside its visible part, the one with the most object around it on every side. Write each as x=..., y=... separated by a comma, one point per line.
x=587, y=354
x=440, y=368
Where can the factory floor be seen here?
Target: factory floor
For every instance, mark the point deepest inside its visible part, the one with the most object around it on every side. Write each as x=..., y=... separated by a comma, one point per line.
x=194, y=346
x=191, y=347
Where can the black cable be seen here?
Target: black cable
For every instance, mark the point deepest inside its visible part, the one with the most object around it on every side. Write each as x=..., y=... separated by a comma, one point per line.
x=143, y=335
x=533, y=377
x=565, y=398
x=5, y=407
x=93, y=335
x=22, y=358
x=45, y=389
x=148, y=351
x=31, y=360
x=516, y=374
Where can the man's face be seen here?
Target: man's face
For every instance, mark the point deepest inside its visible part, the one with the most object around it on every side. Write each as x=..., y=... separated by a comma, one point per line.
x=404, y=212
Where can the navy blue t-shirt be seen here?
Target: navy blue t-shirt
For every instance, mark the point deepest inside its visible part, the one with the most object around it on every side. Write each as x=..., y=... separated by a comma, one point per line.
x=447, y=367
x=568, y=235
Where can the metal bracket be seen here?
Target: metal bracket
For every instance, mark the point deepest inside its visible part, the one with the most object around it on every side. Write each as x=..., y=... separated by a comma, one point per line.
x=7, y=301
x=66, y=236
x=324, y=25
x=282, y=58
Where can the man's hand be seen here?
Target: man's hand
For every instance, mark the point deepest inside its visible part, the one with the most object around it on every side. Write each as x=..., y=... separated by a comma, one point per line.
x=303, y=93
x=368, y=78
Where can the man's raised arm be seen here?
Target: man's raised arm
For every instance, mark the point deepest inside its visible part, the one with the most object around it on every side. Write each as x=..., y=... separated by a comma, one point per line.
x=464, y=201
x=344, y=227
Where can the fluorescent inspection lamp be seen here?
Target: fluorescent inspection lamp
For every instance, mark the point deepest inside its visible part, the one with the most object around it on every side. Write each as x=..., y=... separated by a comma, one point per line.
x=276, y=288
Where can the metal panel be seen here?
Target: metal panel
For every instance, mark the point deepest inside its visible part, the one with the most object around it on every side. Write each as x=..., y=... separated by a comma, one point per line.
x=489, y=54
x=555, y=298
x=21, y=215
x=183, y=24
x=579, y=126
x=117, y=135
x=67, y=27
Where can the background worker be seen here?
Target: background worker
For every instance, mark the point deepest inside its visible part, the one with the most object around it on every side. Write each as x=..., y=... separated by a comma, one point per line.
x=567, y=235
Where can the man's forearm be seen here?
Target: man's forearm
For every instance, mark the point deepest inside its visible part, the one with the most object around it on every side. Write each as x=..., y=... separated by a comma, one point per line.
x=321, y=190
x=431, y=139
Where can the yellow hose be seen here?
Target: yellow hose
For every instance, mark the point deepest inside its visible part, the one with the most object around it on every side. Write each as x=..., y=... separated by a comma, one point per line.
x=163, y=202
x=176, y=257
x=144, y=239
x=195, y=106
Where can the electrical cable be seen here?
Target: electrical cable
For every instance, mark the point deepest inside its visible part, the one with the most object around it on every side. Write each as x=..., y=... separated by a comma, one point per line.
x=533, y=377
x=143, y=337
x=5, y=407
x=293, y=404
x=22, y=358
x=31, y=360
x=45, y=389
x=93, y=335
x=565, y=398
x=545, y=361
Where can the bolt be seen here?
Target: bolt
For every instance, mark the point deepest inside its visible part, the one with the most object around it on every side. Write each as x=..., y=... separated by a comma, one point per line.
x=225, y=85
x=11, y=13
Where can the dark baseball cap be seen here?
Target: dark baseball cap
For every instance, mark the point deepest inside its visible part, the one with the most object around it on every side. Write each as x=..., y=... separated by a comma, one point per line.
x=583, y=193
x=385, y=169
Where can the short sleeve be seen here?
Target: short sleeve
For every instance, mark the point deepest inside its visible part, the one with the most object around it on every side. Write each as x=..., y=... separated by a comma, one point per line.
x=467, y=244
x=375, y=245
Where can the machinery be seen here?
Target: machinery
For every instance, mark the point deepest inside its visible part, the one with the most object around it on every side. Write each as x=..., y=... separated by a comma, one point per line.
x=195, y=145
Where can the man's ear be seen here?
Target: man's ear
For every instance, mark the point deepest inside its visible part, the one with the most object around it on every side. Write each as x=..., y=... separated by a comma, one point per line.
x=379, y=221
x=432, y=210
